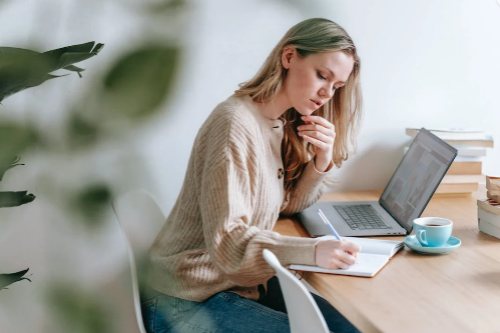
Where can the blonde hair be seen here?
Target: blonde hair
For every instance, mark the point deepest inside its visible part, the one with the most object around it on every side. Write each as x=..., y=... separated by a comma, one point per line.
x=343, y=110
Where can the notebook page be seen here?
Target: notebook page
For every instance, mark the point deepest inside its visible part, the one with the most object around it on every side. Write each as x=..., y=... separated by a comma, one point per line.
x=368, y=265
x=374, y=246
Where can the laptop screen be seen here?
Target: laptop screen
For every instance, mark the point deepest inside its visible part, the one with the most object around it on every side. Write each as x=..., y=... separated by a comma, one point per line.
x=417, y=177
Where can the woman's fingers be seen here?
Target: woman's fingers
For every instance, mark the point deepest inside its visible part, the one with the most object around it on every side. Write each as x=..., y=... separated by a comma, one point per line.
x=334, y=254
x=316, y=128
x=318, y=143
x=339, y=264
x=317, y=135
x=318, y=131
x=350, y=247
x=318, y=120
x=347, y=258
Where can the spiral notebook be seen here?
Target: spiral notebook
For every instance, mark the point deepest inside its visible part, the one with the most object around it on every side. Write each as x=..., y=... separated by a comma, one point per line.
x=374, y=255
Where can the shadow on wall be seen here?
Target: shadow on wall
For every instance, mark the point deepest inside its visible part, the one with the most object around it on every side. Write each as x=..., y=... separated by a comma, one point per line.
x=372, y=168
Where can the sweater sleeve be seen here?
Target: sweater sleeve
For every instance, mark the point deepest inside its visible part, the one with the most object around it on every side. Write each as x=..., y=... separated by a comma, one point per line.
x=233, y=241
x=308, y=190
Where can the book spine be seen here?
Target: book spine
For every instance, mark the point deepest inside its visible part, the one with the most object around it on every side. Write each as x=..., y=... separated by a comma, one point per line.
x=471, y=143
x=471, y=151
x=457, y=188
x=468, y=158
x=474, y=139
x=465, y=168
x=462, y=179
x=411, y=132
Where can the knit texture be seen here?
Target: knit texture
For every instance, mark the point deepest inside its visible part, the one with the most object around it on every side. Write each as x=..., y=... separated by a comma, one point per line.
x=229, y=203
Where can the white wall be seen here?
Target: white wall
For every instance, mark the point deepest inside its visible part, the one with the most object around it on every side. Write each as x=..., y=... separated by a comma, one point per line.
x=424, y=63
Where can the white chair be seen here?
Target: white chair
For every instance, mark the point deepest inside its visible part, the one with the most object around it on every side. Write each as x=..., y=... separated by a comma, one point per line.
x=140, y=219
x=303, y=312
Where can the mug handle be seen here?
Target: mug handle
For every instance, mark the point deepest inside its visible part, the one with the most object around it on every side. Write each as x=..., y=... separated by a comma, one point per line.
x=421, y=237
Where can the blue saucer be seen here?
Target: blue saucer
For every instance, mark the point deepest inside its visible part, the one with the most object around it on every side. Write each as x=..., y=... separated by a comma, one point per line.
x=414, y=244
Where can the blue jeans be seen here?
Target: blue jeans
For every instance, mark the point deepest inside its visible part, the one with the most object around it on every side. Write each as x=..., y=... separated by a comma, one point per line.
x=227, y=312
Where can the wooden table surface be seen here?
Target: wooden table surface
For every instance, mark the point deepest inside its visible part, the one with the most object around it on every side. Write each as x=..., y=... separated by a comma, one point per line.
x=456, y=292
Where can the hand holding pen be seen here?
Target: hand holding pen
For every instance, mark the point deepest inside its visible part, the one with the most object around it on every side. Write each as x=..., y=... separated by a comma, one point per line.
x=333, y=254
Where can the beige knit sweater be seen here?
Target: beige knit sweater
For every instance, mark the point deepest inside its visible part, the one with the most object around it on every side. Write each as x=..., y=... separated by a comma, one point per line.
x=232, y=195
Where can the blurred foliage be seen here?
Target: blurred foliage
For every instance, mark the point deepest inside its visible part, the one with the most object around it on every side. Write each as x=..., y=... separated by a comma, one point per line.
x=91, y=202
x=140, y=80
x=13, y=163
x=79, y=311
x=8, y=279
x=15, y=139
x=21, y=69
x=13, y=199
x=81, y=131
x=165, y=7
x=132, y=91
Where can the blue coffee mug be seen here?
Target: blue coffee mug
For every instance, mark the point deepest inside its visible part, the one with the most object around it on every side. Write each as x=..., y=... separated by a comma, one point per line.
x=432, y=231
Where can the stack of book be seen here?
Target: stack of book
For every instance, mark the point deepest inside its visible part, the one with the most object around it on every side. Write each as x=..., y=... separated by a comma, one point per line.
x=465, y=173
x=488, y=210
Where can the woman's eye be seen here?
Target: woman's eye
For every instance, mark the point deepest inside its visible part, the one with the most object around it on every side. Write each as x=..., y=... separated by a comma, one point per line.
x=321, y=76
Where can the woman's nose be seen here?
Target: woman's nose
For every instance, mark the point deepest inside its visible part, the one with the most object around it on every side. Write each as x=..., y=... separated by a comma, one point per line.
x=327, y=92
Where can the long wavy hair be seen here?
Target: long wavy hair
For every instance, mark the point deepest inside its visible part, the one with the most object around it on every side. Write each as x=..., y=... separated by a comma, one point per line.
x=343, y=110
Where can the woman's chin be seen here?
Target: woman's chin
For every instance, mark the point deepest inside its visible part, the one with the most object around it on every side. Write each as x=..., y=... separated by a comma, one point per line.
x=305, y=111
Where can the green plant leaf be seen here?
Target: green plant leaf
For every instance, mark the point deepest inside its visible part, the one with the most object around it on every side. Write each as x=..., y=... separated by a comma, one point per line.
x=140, y=81
x=85, y=47
x=14, y=139
x=14, y=199
x=8, y=279
x=22, y=69
x=11, y=55
x=10, y=165
x=68, y=59
x=69, y=55
x=74, y=68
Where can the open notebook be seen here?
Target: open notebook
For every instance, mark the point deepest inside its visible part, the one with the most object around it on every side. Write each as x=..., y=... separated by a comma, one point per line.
x=373, y=256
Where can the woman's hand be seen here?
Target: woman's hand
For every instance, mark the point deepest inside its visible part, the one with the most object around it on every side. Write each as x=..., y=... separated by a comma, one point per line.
x=321, y=133
x=334, y=254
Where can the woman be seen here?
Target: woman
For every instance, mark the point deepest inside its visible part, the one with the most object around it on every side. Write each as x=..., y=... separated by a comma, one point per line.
x=266, y=150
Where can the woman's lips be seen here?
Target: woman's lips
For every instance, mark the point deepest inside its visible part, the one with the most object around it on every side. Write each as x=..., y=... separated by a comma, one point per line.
x=317, y=103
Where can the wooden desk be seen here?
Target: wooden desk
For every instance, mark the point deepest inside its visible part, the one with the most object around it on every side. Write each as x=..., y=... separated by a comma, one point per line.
x=457, y=292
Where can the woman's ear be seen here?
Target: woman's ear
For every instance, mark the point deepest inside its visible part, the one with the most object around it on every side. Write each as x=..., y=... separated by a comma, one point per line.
x=286, y=56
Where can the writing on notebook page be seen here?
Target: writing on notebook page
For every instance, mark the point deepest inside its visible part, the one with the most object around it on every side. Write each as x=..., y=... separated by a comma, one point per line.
x=374, y=255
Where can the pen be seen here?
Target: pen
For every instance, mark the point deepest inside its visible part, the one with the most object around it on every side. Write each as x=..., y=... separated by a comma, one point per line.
x=330, y=226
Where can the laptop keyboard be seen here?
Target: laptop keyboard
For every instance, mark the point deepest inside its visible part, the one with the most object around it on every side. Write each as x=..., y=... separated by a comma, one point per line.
x=361, y=217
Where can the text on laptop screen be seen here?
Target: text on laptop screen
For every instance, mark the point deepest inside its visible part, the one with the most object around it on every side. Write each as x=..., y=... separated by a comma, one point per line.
x=417, y=177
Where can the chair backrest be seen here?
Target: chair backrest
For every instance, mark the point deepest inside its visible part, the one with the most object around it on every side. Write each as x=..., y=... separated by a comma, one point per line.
x=140, y=219
x=303, y=312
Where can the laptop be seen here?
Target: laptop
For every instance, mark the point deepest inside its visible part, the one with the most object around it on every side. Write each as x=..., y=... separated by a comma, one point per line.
x=404, y=199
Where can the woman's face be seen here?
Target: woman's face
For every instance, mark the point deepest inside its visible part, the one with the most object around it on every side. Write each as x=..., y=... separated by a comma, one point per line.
x=311, y=81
